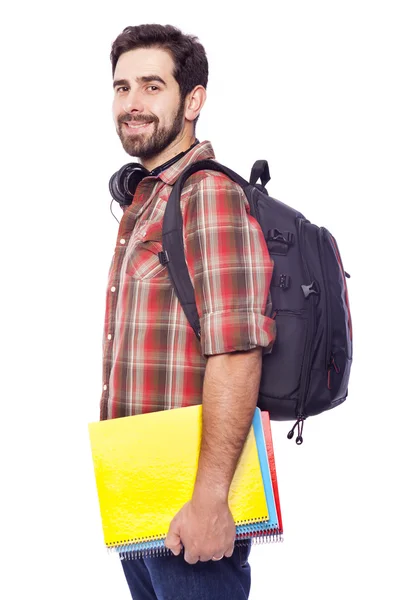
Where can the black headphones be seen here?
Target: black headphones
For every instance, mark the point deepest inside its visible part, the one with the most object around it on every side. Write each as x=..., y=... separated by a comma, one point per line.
x=124, y=182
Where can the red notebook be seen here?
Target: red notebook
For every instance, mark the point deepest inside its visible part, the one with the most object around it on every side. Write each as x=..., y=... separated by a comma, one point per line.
x=271, y=460
x=272, y=530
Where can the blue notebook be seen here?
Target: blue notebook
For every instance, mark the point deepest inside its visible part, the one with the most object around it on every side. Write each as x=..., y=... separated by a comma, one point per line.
x=264, y=531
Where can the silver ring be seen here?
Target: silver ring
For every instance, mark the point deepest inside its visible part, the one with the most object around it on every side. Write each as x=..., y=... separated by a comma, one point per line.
x=215, y=558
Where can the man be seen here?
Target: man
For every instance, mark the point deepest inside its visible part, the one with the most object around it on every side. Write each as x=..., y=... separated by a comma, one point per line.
x=152, y=359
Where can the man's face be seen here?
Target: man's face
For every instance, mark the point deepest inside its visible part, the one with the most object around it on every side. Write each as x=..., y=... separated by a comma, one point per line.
x=147, y=109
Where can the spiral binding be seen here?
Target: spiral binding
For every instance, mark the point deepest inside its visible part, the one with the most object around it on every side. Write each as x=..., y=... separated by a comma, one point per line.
x=267, y=535
x=268, y=539
x=243, y=529
x=141, y=547
x=156, y=548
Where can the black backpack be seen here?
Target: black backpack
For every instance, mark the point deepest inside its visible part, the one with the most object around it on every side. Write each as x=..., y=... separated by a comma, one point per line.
x=308, y=370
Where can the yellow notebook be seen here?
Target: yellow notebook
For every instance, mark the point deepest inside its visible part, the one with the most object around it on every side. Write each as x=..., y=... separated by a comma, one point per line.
x=145, y=469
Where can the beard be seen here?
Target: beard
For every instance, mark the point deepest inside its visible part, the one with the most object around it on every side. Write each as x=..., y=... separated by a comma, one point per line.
x=137, y=145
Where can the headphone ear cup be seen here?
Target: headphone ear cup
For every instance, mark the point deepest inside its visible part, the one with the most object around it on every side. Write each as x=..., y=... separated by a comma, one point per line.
x=124, y=182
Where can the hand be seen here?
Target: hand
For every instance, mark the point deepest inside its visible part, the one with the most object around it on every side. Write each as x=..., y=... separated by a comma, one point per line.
x=205, y=528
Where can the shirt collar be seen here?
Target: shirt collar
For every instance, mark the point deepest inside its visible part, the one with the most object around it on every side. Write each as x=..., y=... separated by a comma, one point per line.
x=202, y=151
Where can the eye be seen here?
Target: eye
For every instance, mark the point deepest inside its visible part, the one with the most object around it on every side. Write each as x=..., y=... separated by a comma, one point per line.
x=121, y=88
x=153, y=88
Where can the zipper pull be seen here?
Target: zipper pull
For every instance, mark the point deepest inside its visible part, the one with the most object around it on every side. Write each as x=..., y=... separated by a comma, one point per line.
x=337, y=370
x=299, y=424
x=335, y=366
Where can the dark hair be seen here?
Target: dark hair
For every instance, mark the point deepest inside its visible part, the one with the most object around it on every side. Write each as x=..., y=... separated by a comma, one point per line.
x=189, y=56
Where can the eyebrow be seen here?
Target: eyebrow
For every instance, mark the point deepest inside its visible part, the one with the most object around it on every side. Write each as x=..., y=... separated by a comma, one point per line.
x=144, y=79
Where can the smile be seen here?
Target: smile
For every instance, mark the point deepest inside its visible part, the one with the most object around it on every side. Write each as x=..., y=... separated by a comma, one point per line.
x=136, y=126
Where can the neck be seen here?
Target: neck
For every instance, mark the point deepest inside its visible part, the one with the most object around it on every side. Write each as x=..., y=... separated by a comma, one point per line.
x=181, y=144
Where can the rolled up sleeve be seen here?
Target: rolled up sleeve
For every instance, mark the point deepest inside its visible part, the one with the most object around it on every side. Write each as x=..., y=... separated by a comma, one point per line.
x=229, y=265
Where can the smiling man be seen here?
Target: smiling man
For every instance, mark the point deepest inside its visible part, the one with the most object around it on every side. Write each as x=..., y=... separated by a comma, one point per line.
x=159, y=134
x=152, y=359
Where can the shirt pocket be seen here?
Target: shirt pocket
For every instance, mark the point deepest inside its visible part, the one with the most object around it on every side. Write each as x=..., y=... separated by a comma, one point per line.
x=143, y=262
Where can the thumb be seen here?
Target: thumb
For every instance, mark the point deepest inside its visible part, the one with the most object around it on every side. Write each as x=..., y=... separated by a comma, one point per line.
x=173, y=540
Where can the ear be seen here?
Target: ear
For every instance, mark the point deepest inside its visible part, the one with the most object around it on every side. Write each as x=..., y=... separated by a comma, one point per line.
x=195, y=102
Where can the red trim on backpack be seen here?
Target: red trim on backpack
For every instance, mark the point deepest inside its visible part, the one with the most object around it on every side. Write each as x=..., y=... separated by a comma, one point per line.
x=345, y=285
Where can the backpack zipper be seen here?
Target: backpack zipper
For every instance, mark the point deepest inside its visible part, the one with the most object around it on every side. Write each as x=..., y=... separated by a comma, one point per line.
x=280, y=311
x=300, y=419
x=304, y=383
x=321, y=235
x=336, y=249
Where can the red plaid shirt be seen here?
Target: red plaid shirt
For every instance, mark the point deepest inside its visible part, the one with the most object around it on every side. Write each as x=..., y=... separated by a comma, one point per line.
x=152, y=359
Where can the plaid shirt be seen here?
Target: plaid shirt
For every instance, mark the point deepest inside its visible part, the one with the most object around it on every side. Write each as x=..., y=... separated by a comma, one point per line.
x=152, y=359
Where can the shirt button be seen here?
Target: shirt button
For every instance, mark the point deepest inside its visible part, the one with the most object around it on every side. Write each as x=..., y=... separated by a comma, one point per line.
x=109, y=336
x=104, y=387
x=113, y=288
x=122, y=241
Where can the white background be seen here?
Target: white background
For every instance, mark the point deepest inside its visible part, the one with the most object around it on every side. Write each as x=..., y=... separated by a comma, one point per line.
x=313, y=88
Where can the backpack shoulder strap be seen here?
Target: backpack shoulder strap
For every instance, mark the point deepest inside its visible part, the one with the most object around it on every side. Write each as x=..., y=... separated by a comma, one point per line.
x=173, y=255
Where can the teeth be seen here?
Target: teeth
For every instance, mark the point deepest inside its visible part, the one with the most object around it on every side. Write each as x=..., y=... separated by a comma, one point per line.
x=137, y=126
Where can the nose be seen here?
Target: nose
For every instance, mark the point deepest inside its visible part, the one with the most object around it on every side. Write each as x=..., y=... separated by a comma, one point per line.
x=133, y=102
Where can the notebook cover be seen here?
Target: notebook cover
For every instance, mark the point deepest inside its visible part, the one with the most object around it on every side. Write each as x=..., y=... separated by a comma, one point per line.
x=145, y=468
x=268, y=531
x=271, y=460
x=271, y=527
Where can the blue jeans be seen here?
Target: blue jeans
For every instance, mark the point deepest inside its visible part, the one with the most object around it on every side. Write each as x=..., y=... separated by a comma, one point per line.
x=172, y=578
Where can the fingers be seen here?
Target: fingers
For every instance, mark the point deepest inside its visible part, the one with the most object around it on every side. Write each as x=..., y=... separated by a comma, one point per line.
x=220, y=555
x=191, y=558
x=173, y=542
x=229, y=553
x=176, y=550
